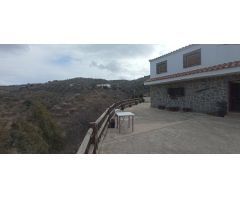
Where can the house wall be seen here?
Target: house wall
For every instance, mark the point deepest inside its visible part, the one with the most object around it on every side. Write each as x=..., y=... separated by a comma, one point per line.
x=200, y=95
x=211, y=54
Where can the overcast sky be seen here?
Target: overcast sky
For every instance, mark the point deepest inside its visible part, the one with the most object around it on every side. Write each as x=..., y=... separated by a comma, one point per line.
x=21, y=64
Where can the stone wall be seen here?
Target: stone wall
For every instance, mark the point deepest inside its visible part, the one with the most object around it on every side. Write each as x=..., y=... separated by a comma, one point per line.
x=200, y=95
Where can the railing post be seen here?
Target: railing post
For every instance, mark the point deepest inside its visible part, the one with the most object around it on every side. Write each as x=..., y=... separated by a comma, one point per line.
x=94, y=136
x=110, y=109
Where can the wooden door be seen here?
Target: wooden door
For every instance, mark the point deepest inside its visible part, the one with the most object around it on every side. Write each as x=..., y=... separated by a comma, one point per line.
x=235, y=97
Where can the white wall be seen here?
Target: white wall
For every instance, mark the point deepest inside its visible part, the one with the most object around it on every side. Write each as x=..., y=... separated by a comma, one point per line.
x=211, y=54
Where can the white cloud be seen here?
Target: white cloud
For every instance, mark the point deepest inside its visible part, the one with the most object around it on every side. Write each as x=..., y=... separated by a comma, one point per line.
x=40, y=63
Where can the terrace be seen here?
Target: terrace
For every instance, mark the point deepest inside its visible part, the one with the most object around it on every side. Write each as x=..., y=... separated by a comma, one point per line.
x=160, y=131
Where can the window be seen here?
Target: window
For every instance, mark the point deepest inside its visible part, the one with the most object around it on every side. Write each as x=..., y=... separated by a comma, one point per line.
x=176, y=92
x=192, y=59
x=161, y=67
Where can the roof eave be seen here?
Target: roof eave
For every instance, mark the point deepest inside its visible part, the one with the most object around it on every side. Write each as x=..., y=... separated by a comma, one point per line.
x=194, y=77
x=172, y=52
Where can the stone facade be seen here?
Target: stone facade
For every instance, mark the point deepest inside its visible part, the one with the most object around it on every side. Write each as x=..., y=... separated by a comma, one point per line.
x=201, y=95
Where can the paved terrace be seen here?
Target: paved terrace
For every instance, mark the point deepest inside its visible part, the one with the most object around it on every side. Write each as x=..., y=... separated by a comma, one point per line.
x=158, y=131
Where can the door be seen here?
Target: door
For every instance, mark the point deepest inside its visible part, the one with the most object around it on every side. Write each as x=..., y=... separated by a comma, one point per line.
x=235, y=96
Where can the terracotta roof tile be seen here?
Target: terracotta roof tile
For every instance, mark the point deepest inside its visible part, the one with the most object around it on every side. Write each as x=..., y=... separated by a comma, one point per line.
x=198, y=71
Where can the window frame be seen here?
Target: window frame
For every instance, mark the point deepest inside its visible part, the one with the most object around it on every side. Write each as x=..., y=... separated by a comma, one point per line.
x=177, y=94
x=186, y=55
x=160, y=64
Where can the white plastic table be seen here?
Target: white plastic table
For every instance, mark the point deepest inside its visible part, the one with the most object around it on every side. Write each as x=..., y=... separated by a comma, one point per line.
x=129, y=115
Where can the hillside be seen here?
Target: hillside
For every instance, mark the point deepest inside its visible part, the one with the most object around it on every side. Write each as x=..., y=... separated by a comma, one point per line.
x=54, y=117
x=133, y=87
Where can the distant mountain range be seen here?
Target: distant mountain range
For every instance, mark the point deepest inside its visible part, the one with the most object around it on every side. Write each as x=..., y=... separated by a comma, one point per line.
x=132, y=87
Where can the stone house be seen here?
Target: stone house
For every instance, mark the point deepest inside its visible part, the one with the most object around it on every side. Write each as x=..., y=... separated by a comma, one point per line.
x=197, y=77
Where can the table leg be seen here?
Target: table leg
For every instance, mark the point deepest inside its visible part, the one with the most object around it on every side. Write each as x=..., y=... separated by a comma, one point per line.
x=132, y=123
x=116, y=120
x=129, y=121
x=119, y=125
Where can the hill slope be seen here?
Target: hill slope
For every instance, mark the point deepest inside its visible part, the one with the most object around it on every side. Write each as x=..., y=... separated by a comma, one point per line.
x=54, y=117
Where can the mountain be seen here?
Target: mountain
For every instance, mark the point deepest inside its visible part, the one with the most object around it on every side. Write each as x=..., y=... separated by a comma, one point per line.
x=53, y=117
x=133, y=87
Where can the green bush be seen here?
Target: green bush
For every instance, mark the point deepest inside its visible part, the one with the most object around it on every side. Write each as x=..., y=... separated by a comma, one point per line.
x=37, y=133
x=26, y=138
x=27, y=103
x=49, y=129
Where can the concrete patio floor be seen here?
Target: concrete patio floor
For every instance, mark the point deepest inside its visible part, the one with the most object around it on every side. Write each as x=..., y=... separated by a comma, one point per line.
x=160, y=131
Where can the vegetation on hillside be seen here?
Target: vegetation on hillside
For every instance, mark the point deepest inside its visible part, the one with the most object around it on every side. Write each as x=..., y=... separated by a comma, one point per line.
x=33, y=131
x=54, y=117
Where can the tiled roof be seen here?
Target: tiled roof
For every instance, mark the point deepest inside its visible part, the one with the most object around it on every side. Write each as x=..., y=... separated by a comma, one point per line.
x=198, y=71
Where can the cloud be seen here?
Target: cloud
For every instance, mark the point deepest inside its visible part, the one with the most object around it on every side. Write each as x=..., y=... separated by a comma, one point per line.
x=13, y=48
x=62, y=60
x=21, y=63
x=118, y=50
x=113, y=66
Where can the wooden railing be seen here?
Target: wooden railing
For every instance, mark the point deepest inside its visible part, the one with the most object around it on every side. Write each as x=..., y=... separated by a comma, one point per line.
x=97, y=129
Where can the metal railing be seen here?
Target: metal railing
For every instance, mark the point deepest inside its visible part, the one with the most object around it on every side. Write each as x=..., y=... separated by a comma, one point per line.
x=97, y=129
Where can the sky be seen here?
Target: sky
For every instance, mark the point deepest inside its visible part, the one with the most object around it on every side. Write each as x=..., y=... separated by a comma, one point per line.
x=39, y=63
